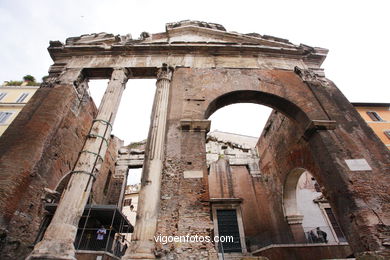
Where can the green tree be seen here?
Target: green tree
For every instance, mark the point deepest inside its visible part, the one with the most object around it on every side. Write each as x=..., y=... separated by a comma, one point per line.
x=29, y=78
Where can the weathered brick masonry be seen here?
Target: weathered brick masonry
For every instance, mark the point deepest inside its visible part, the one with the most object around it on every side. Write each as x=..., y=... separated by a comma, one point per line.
x=39, y=148
x=283, y=149
x=286, y=147
x=44, y=143
x=199, y=68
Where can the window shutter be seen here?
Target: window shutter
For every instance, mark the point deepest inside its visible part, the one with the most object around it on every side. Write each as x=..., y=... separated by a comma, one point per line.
x=374, y=116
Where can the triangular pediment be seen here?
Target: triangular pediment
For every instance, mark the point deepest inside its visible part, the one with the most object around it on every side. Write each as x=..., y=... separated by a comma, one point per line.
x=195, y=34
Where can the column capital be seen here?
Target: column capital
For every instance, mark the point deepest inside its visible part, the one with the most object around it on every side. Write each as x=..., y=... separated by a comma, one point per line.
x=71, y=76
x=164, y=72
x=126, y=71
x=121, y=74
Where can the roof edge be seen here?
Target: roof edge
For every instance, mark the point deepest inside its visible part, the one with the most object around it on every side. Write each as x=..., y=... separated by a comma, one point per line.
x=365, y=104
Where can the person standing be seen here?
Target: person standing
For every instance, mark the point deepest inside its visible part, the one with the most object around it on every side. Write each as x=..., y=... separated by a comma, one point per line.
x=322, y=235
x=100, y=237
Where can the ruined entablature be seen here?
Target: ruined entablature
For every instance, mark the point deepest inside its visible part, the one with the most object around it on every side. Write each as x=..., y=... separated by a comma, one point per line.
x=134, y=188
x=237, y=149
x=185, y=38
x=183, y=23
x=132, y=155
x=94, y=39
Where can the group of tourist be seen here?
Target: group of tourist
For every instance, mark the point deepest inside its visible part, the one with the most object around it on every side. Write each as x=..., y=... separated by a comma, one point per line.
x=319, y=237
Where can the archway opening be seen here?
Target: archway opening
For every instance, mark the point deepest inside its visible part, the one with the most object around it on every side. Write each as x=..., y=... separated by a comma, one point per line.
x=246, y=178
x=233, y=162
x=244, y=119
x=277, y=103
x=308, y=211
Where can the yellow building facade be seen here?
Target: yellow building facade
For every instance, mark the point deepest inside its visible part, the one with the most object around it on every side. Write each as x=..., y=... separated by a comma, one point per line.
x=377, y=116
x=12, y=101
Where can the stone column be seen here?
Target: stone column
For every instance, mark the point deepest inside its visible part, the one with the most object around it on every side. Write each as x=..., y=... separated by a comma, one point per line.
x=60, y=235
x=121, y=171
x=143, y=244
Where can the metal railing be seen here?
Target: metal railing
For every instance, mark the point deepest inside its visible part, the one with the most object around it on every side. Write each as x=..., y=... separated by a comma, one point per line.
x=264, y=240
x=111, y=242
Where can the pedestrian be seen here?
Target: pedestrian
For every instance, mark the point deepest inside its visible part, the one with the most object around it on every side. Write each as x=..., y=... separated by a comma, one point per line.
x=322, y=235
x=100, y=236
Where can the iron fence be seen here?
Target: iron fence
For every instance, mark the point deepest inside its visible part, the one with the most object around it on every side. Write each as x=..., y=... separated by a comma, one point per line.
x=112, y=242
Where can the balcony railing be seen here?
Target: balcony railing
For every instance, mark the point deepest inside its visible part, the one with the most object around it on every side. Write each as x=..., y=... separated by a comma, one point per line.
x=266, y=239
x=112, y=242
x=95, y=216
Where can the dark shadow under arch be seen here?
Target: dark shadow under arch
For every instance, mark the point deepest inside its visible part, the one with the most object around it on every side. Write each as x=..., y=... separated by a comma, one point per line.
x=62, y=183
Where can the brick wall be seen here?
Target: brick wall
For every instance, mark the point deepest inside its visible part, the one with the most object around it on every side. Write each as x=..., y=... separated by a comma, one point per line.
x=105, y=189
x=38, y=148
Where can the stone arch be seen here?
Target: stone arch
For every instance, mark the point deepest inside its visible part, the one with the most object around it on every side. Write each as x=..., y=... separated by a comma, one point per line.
x=54, y=195
x=352, y=161
x=63, y=182
x=257, y=97
x=281, y=90
x=319, y=128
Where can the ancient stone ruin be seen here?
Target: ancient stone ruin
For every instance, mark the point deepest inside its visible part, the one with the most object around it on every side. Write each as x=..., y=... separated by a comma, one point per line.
x=59, y=163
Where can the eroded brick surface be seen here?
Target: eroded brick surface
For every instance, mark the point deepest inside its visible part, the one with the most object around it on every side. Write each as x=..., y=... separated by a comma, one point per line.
x=38, y=149
x=286, y=147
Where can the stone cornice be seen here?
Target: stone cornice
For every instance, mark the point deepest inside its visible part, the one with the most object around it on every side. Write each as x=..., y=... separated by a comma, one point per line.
x=314, y=57
x=19, y=87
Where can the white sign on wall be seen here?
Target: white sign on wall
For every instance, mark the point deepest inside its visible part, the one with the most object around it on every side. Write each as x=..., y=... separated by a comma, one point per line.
x=358, y=165
x=193, y=174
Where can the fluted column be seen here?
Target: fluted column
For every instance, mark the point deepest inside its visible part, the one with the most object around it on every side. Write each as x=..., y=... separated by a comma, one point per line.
x=142, y=246
x=60, y=235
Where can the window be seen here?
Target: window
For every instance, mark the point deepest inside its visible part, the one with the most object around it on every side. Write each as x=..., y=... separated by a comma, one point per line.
x=2, y=95
x=387, y=133
x=335, y=225
x=22, y=98
x=374, y=116
x=4, y=117
x=127, y=202
x=228, y=226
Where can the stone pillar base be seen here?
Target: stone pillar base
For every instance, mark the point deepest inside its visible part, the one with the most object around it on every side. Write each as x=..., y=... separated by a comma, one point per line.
x=53, y=251
x=54, y=248
x=140, y=250
x=370, y=256
x=48, y=257
x=50, y=254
